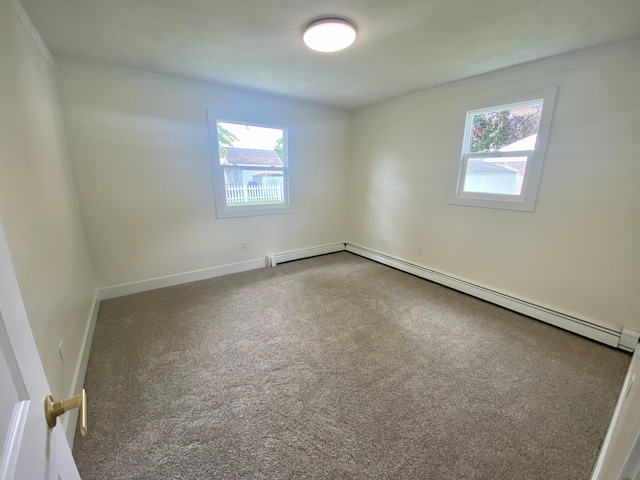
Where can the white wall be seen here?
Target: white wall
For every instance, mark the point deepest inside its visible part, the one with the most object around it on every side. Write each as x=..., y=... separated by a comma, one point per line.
x=578, y=253
x=139, y=146
x=38, y=204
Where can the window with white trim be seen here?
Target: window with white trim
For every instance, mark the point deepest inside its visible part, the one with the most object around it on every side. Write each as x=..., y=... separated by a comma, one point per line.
x=250, y=168
x=503, y=154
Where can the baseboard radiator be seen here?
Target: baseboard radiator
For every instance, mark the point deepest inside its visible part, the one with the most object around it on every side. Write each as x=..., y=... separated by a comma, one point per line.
x=278, y=258
x=625, y=340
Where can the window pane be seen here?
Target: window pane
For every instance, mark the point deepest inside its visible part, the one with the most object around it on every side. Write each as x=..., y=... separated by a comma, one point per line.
x=512, y=129
x=254, y=187
x=248, y=145
x=495, y=175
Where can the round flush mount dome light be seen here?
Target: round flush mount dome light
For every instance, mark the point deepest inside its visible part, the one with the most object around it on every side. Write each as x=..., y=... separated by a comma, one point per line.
x=329, y=35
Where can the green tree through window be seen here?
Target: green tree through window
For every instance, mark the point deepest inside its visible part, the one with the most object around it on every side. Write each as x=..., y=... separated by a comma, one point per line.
x=494, y=130
x=226, y=138
x=279, y=148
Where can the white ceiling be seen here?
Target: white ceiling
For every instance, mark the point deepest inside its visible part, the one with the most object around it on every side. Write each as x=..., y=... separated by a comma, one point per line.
x=403, y=46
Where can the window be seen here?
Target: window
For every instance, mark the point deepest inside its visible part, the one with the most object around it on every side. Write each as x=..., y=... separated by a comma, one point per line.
x=250, y=169
x=503, y=152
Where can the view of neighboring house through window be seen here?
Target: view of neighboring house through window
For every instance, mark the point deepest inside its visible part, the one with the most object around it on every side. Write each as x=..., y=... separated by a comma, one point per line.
x=502, y=154
x=251, y=171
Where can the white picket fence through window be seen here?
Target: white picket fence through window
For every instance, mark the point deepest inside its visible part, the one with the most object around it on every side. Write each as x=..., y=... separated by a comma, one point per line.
x=251, y=194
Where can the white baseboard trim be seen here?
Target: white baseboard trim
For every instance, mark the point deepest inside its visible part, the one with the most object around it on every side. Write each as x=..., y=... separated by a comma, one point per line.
x=627, y=340
x=599, y=332
x=206, y=273
x=278, y=258
x=70, y=420
x=178, y=279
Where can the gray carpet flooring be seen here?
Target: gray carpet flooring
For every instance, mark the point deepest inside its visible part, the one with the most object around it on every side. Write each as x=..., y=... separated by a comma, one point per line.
x=338, y=367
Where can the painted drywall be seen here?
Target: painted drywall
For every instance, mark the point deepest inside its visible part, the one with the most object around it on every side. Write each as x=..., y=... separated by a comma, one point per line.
x=140, y=148
x=578, y=251
x=38, y=204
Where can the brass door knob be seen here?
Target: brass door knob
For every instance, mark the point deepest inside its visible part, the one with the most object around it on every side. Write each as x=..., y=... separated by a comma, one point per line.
x=52, y=410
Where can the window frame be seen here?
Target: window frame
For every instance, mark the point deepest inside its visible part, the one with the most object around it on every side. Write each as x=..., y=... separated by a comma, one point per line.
x=535, y=158
x=223, y=210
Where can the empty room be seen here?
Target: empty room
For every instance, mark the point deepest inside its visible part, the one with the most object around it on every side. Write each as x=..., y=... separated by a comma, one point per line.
x=323, y=240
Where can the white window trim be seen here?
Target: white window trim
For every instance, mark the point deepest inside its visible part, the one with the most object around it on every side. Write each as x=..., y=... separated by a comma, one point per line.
x=222, y=209
x=535, y=158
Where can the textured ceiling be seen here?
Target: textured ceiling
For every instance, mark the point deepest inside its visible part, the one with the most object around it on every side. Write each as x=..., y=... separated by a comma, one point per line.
x=403, y=46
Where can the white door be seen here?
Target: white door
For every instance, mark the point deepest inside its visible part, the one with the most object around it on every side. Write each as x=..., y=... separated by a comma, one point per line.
x=619, y=457
x=31, y=450
x=631, y=468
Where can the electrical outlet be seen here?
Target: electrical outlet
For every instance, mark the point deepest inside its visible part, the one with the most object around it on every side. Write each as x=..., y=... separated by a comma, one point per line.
x=245, y=246
x=420, y=250
x=60, y=351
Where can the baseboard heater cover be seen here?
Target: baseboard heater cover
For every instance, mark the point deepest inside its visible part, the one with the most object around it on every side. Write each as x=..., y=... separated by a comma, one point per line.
x=629, y=339
x=601, y=333
x=626, y=340
x=278, y=258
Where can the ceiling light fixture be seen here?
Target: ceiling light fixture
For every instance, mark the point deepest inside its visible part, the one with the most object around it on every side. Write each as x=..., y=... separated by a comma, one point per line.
x=329, y=35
